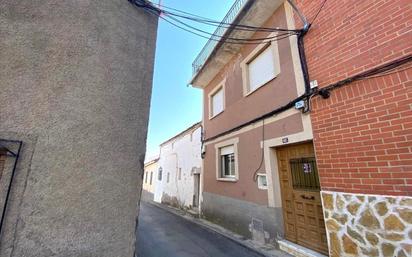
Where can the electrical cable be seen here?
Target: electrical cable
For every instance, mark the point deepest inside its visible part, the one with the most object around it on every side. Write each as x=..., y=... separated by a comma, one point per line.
x=239, y=42
x=364, y=75
x=320, y=9
x=230, y=38
x=215, y=23
x=216, y=38
x=262, y=152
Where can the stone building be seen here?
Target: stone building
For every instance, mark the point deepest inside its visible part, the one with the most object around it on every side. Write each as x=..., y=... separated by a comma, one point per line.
x=179, y=168
x=75, y=87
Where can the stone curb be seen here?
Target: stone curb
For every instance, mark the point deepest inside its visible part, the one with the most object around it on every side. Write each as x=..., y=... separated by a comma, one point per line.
x=221, y=231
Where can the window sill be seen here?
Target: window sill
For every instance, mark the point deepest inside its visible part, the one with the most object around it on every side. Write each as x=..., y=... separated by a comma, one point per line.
x=256, y=89
x=227, y=179
x=214, y=116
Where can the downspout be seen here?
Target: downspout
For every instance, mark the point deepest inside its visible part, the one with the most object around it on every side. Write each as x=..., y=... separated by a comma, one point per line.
x=6, y=201
x=301, y=47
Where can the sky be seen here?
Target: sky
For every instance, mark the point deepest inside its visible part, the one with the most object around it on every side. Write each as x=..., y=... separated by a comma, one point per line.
x=174, y=105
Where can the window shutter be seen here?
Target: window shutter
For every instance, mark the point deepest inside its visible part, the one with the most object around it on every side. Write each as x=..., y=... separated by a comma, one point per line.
x=262, y=69
x=227, y=150
x=217, y=102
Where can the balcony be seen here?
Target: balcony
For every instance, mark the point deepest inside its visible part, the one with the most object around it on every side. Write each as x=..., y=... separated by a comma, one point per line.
x=217, y=53
x=219, y=32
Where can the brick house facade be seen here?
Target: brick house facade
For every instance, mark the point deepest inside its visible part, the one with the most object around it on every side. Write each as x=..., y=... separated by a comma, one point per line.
x=363, y=132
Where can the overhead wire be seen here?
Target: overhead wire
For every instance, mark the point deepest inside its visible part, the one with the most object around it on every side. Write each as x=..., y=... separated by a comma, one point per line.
x=230, y=38
x=319, y=10
x=170, y=17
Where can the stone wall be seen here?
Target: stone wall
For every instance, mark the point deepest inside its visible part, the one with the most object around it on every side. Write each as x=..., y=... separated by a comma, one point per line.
x=368, y=225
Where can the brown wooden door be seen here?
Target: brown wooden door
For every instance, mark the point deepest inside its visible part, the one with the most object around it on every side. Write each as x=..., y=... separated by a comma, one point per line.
x=301, y=202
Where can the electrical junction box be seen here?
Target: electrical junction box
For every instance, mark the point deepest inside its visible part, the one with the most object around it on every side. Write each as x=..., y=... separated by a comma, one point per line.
x=300, y=104
x=313, y=84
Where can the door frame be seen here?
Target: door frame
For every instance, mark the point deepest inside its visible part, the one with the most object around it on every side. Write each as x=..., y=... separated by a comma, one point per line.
x=271, y=161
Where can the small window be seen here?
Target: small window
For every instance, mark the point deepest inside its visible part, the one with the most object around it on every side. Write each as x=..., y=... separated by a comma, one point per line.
x=180, y=173
x=217, y=103
x=304, y=174
x=262, y=181
x=168, y=177
x=261, y=69
x=145, y=179
x=227, y=162
x=159, y=175
x=151, y=177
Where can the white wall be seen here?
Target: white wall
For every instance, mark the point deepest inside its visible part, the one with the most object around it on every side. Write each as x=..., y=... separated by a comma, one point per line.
x=182, y=152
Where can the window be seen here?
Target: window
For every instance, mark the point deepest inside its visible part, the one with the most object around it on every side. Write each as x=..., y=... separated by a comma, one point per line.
x=168, y=177
x=227, y=167
x=260, y=66
x=217, y=102
x=180, y=173
x=227, y=162
x=159, y=175
x=262, y=181
x=145, y=180
x=151, y=177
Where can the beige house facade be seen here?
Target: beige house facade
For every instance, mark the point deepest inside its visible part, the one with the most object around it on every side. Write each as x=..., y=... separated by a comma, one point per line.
x=247, y=151
x=149, y=178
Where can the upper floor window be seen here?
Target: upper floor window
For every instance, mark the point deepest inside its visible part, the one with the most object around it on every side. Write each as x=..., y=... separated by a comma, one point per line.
x=216, y=102
x=260, y=67
x=151, y=177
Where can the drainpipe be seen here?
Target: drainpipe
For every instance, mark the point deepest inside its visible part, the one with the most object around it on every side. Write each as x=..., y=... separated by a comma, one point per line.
x=301, y=47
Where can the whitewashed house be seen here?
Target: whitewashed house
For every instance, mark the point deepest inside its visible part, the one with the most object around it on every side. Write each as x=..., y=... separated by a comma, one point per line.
x=179, y=168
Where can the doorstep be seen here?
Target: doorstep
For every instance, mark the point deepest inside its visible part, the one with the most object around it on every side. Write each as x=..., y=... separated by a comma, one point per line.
x=264, y=250
x=297, y=250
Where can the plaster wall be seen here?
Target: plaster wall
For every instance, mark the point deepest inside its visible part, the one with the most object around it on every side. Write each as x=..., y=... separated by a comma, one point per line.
x=75, y=88
x=181, y=153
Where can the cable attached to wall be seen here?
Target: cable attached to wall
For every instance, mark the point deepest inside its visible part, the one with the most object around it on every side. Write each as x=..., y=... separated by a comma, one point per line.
x=16, y=156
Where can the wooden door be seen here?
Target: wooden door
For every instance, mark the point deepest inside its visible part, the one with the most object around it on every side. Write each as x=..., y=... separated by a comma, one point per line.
x=301, y=202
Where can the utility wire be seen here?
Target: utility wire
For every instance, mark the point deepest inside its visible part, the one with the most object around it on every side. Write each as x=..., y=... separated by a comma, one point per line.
x=189, y=28
x=320, y=9
x=230, y=38
x=206, y=21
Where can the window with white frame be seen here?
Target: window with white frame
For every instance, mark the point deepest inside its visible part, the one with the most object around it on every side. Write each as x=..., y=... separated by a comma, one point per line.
x=227, y=162
x=260, y=67
x=262, y=181
x=217, y=102
x=151, y=178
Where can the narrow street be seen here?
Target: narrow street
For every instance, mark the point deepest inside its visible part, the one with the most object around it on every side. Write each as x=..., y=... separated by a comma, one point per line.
x=162, y=234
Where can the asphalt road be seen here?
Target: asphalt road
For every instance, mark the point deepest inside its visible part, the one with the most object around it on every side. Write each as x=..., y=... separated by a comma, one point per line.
x=163, y=234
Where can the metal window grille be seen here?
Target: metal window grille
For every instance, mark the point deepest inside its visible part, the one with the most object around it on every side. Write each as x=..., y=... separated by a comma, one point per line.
x=304, y=174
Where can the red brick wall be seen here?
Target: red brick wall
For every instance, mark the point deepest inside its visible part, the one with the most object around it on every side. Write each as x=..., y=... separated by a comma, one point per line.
x=363, y=133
